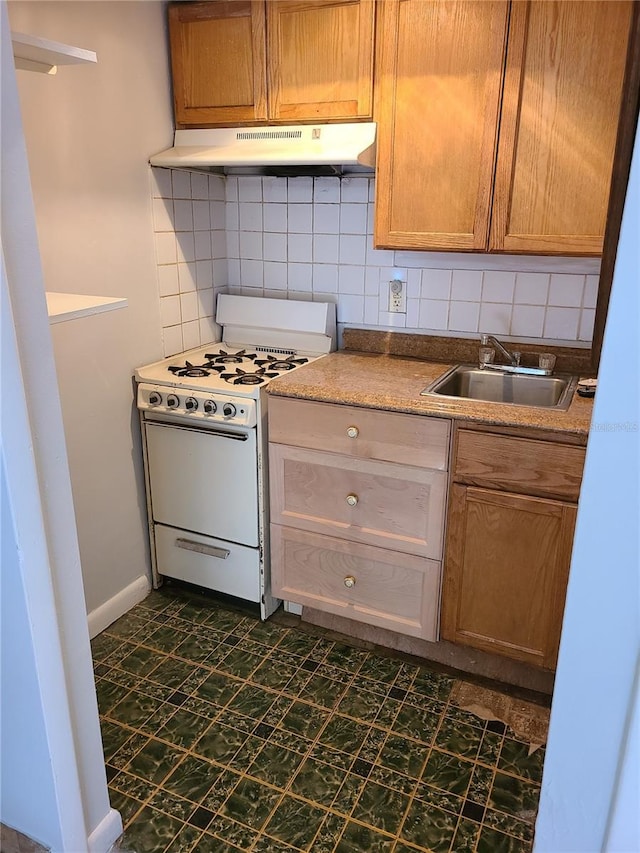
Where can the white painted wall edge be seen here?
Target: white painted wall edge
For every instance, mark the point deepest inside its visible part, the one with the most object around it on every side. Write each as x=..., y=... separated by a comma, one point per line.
x=118, y=605
x=624, y=820
x=106, y=833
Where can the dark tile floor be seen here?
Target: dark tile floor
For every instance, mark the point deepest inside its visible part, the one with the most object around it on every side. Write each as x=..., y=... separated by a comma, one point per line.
x=223, y=733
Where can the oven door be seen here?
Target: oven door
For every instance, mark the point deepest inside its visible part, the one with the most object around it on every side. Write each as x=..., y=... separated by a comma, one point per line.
x=204, y=480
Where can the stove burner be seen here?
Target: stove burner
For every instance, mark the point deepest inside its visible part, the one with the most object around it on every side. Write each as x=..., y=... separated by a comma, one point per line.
x=223, y=357
x=191, y=370
x=241, y=377
x=274, y=363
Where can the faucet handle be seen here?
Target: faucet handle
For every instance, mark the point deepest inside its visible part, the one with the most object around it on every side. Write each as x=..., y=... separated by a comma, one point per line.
x=484, y=340
x=516, y=357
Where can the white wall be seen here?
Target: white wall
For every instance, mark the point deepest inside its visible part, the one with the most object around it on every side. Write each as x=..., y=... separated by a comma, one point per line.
x=23, y=735
x=50, y=729
x=89, y=133
x=600, y=642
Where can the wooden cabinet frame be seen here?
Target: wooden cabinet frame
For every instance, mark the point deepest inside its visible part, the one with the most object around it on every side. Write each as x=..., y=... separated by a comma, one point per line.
x=258, y=69
x=551, y=110
x=194, y=13
x=510, y=523
x=348, y=109
x=470, y=603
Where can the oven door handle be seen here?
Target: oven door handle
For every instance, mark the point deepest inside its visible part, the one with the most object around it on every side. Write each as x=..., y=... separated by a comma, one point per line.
x=195, y=427
x=200, y=548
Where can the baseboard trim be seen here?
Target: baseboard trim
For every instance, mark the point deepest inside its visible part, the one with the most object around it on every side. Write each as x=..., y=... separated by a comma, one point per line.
x=106, y=833
x=115, y=607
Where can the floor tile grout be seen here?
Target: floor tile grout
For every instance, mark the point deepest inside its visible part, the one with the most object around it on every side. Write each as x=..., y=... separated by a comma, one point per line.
x=350, y=678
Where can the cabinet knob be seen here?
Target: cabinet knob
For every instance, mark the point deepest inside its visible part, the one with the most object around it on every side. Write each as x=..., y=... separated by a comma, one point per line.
x=352, y=500
x=349, y=581
x=352, y=431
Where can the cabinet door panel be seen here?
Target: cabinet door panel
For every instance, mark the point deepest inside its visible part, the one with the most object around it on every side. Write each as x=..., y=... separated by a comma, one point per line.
x=562, y=97
x=438, y=97
x=365, y=433
x=320, y=58
x=384, y=588
x=218, y=62
x=506, y=571
x=392, y=506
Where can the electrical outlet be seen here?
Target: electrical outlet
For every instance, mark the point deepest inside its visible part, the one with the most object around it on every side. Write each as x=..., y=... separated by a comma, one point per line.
x=397, y=297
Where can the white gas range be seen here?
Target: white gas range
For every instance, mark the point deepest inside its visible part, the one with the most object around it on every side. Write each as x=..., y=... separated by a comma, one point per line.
x=204, y=429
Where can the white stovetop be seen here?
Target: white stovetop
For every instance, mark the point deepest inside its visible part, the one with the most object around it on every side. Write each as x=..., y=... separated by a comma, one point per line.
x=158, y=373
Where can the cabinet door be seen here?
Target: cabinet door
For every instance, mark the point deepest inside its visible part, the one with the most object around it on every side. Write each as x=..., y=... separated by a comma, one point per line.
x=320, y=59
x=218, y=62
x=438, y=96
x=563, y=87
x=505, y=574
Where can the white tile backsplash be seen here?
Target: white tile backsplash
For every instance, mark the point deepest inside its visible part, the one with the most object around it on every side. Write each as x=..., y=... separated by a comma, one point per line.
x=187, y=277
x=566, y=290
x=466, y=285
x=354, y=190
x=561, y=323
x=531, y=288
x=527, y=320
x=464, y=316
x=300, y=218
x=498, y=286
x=312, y=238
x=168, y=280
x=275, y=217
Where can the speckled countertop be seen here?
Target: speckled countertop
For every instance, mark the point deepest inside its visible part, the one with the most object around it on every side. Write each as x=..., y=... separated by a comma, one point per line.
x=391, y=382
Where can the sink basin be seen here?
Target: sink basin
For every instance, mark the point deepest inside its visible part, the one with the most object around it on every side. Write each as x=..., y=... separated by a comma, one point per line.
x=494, y=386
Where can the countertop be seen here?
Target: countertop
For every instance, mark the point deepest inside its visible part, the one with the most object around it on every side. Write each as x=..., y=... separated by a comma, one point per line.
x=394, y=383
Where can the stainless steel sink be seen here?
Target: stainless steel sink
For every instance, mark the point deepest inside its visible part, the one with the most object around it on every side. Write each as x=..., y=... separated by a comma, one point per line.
x=473, y=383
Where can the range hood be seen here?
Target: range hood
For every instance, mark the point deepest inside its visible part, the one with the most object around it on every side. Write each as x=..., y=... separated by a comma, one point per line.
x=294, y=149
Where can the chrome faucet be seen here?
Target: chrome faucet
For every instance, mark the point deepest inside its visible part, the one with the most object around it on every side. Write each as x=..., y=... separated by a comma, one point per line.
x=512, y=358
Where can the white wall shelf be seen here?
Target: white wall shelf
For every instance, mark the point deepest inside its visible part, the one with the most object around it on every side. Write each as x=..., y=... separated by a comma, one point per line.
x=71, y=306
x=32, y=53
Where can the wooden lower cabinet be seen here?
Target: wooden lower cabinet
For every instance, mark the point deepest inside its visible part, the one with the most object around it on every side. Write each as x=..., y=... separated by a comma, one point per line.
x=506, y=570
x=383, y=588
x=357, y=501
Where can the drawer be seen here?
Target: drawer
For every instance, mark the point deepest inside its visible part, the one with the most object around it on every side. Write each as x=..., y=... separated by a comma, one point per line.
x=364, y=433
x=376, y=503
x=201, y=560
x=522, y=465
x=396, y=591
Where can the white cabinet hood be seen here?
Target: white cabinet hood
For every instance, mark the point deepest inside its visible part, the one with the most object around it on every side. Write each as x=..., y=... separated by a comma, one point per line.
x=293, y=149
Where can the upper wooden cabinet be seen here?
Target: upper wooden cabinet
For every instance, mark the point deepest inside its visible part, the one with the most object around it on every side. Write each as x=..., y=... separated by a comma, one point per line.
x=497, y=123
x=320, y=59
x=250, y=61
x=437, y=106
x=562, y=94
x=218, y=62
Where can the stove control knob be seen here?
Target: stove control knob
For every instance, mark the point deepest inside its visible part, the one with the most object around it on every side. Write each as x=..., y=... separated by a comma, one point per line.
x=154, y=398
x=172, y=401
x=191, y=404
x=228, y=410
x=210, y=407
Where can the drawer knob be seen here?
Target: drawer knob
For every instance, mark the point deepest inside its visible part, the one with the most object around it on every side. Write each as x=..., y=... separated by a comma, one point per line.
x=352, y=500
x=349, y=581
x=352, y=431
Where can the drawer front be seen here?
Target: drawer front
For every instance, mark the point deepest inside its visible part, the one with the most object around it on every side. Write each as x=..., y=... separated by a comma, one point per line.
x=377, y=503
x=201, y=560
x=364, y=433
x=521, y=465
x=396, y=591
